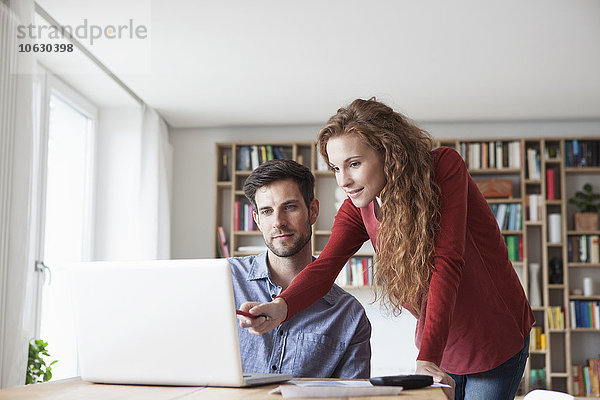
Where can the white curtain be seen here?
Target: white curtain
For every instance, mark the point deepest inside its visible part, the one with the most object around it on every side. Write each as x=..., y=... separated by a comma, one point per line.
x=155, y=187
x=16, y=188
x=133, y=200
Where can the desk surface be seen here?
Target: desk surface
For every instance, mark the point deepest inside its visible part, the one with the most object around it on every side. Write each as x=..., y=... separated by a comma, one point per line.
x=75, y=389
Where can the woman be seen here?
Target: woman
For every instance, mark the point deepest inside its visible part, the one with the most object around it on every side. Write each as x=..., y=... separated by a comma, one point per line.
x=440, y=253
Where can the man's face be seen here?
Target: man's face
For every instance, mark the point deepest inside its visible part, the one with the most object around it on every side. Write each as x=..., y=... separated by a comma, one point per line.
x=283, y=217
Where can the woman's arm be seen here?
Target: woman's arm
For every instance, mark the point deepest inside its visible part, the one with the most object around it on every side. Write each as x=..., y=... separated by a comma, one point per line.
x=316, y=279
x=313, y=282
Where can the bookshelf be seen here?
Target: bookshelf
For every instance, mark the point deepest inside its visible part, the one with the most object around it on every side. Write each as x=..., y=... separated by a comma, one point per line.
x=544, y=173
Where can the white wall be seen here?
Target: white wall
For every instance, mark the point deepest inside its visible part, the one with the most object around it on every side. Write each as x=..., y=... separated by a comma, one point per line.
x=192, y=223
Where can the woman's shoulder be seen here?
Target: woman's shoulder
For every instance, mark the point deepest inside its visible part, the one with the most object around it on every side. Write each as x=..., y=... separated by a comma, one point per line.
x=446, y=153
x=447, y=161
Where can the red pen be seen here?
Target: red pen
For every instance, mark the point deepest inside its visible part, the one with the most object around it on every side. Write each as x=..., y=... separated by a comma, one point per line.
x=247, y=314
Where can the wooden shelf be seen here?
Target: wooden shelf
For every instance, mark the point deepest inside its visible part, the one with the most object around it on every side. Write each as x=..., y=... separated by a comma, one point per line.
x=582, y=170
x=536, y=247
x=248, y=233
x=583, y=265
x=559, y=375
x=554, y=202
x=500, y=200
x=495, y=171
x=533, y=223
x=559, y=286
x=581, y=297
x=578, y=233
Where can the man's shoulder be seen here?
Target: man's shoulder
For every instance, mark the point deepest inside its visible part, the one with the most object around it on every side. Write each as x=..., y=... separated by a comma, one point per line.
x=241, y=265
x=340, y=297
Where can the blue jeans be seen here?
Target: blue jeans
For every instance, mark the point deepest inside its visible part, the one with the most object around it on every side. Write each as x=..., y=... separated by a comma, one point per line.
x=500, y=383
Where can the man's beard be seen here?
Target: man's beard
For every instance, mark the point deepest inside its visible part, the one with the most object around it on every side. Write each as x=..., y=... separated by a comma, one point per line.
x=294, y=248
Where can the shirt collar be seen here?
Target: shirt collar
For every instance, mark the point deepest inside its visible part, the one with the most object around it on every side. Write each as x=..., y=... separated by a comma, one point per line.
x=259, y=270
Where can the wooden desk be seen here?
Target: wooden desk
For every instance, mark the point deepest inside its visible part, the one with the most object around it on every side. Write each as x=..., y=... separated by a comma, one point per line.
x=76, y=389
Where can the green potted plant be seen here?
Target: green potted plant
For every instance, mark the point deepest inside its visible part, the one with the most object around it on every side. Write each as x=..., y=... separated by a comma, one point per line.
x=588, y=204
x=37, y=370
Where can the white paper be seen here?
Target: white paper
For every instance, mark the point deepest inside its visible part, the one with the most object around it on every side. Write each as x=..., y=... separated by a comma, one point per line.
x=322, y=389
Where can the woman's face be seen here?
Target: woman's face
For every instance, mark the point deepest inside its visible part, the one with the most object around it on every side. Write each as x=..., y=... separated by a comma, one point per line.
x=358, y=168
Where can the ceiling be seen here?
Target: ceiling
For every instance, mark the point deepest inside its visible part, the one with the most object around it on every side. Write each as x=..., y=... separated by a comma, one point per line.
x=242, y=62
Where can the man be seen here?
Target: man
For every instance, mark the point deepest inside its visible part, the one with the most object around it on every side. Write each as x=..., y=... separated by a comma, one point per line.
x=330, y=339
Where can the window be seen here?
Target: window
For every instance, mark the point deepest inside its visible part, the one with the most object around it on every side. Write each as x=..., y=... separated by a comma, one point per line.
x=65, y=234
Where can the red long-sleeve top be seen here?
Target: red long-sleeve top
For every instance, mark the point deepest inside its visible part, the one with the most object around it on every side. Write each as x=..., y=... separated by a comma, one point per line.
x=476, y=315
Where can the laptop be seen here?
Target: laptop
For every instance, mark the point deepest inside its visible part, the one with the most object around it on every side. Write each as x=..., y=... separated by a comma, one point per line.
x=159, y=323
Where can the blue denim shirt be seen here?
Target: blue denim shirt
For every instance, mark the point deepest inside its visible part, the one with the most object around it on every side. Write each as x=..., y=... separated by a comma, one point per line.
x=330, y=339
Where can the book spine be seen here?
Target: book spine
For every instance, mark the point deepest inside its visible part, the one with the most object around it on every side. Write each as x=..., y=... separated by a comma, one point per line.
x=550, y=184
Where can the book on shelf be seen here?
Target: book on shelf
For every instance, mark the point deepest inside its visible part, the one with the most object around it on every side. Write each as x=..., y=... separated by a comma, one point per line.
x=251, y=156
x=586, y=378
x=242, y=217
x=255, y=162
x=493, y=154
x=585, y=314
x=582, y=153
x=358, y=272
x=514, y=244
x=533, y=164
x=534, y=202
x=537, y=339
x=556, y=317
x=222, y=246
x=583, y=249
x=508, y=216
x=551, y=184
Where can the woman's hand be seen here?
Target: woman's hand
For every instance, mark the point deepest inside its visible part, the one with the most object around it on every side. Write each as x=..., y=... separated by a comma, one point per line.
x=439, y=376
x=270, y=316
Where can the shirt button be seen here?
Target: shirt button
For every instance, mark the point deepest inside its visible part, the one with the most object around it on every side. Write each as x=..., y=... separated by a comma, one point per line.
x=274, y=367
x=280, y=333
x=273, y=295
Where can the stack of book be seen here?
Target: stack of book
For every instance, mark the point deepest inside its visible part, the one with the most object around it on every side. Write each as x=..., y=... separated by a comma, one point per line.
x=585, y=314
x=514, y=243
x=556, y=318
x=508, y=216
x=537, y=339
x=534, y=203
x=586, y=378
x=483, y=155
x=358, y=271
x=582, y=153
x=242, y=217
x=250, y=157
x=584, y=249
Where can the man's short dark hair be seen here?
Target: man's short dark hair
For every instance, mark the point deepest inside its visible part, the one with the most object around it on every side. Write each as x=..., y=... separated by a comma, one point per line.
x=278, y=170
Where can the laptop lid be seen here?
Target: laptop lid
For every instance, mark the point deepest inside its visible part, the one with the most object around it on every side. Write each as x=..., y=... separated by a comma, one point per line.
x=156, y=322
